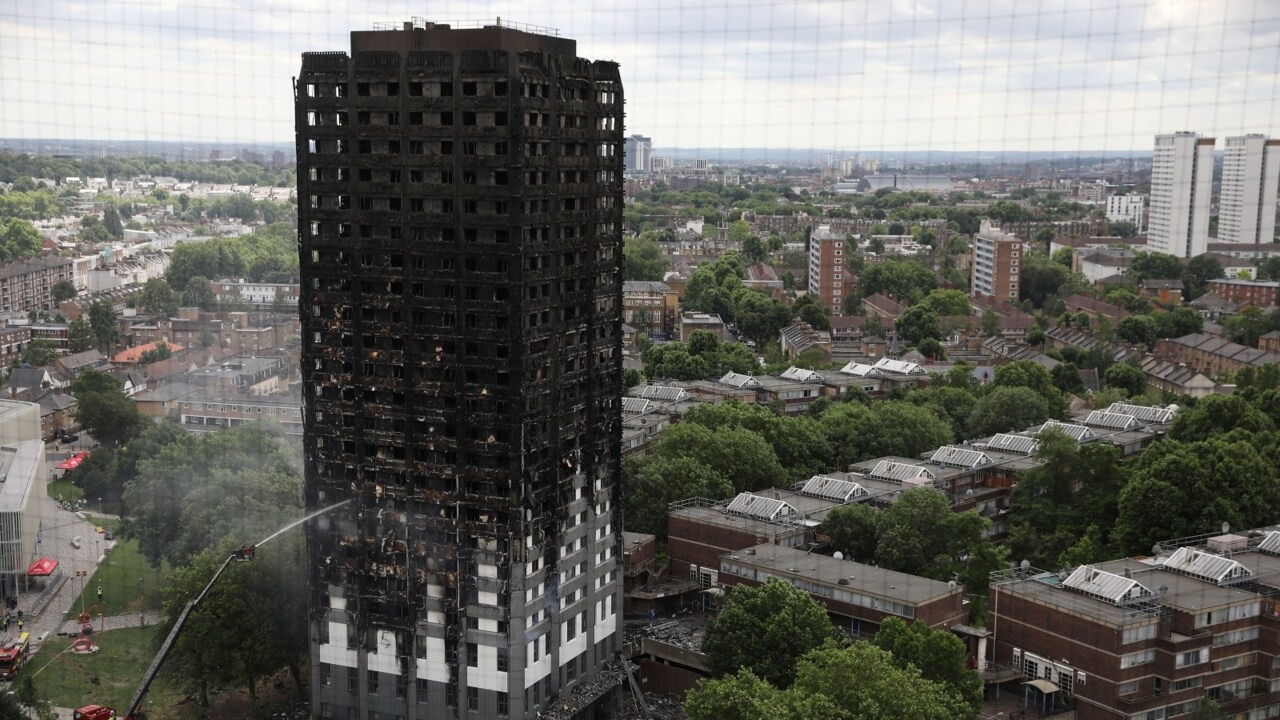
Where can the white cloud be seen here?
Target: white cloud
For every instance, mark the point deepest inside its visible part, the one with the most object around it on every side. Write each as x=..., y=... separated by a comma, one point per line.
x=856, y=74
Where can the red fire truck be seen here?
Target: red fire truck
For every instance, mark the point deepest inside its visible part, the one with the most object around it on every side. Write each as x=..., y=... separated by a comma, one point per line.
x=14, y=655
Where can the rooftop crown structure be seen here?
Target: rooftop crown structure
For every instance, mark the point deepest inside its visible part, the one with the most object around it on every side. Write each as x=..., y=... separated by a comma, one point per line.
x=460, y=236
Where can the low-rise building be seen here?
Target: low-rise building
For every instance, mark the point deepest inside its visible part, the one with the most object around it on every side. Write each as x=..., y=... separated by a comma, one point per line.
x=239, y=375
x=1149, y=637
x=13, y=340
x=27, y=284
x=650, y=307
x=1246, y=292
x=202, y=412
x=1211, y=355
x=691, y=322
x=800, y=336
x=858, y=597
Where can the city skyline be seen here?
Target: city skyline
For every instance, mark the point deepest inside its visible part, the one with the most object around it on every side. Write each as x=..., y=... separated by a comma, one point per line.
x=881, y=77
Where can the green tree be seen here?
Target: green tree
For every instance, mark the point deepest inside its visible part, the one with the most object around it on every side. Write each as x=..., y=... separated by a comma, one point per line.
x=1138, y=330
x=111, y=221
x=1200, y=270
x=94, y=381
x=808, y=309
x=1155, y=265
x=38, y=353
x=1006, y=408
x=190, y=495
x=740, y=455
x=1066, y=377
x=990, y=323
x=917, y=323
x=158, y=297
x=862, y=681
x=199, y=293
x=759, y=316
x=1053, y=504
x=932, y=349
x=673, y=361
x=1246, y=326
x=631, y=378
x=653, y=483
x=1180, y=488
x=798, y=442
x=110, y=417
x=1030, y=374
x=907, y=281
x=1219, y=415
x=160, y=352
x=947, y=302
x=766, y=630
x=918, y=534
x=856, y=432
x=1125, y=377
x=102, y=318
x=229, y=639
x=740, y=696
x=1124, y=229
x=62, y=290
x=18, y=239
x=642, y=259
x=939, y=655
x=27, y=696
x=1178, y=322
x=754, y=249
x=80, y=336
x=1064, y=256
x=1042, y=278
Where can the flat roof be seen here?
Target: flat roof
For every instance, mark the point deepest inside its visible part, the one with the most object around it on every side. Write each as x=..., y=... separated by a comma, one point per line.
x=890, y=584
x=21, y=467
x=1183, y=592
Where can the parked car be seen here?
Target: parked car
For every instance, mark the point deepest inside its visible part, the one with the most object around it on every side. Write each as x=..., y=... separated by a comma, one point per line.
x=69, y=437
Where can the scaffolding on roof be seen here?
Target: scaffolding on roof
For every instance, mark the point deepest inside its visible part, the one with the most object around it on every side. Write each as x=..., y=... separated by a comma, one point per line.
x=739, y=380
x=663, y=393
x=760, y=507
x=636, y=406
x=1111, y=421
x=899, y=367
x=1206, y=566
x=824, y=486
x=1115, y=589
x=959, y=457
x=1162, y=415
x=1079, y=433
x=861, y=370
x=906, y=473
x=1270, y=543
x=1020, y=444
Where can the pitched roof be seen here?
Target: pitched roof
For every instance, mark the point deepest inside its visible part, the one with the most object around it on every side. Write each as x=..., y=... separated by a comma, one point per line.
x=133, y=355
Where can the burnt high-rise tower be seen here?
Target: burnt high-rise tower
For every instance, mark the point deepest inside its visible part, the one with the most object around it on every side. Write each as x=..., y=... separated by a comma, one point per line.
x=460, y=210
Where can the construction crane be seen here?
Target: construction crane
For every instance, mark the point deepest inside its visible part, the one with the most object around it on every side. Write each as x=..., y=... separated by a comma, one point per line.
x=100, y=712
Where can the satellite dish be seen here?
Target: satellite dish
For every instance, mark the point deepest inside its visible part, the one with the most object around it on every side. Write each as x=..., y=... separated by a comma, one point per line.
x=951, y=584
x=1026, y=564
x=1226, y=527
x=1156, y=549
x=838, y=555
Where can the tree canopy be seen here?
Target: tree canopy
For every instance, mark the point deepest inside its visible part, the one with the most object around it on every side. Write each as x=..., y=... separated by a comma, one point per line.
x=765, y=630
x=905, y=280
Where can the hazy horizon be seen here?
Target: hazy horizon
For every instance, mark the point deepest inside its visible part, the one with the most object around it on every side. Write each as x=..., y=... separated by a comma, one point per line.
x=959, y=75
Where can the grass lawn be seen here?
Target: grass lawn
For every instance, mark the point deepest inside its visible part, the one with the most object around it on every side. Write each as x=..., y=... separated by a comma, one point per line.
x=129, y=583
x=122, y=658
x=64, y=489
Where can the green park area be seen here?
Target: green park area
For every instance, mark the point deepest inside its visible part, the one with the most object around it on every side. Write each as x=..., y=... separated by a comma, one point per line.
x=65, y=679
x=129, y=583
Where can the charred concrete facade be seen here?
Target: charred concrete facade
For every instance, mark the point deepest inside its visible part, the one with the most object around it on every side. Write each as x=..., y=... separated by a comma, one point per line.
x=460, y=237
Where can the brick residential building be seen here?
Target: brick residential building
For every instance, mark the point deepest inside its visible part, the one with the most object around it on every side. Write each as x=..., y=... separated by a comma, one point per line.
x=1149, y=637
x=829, y=281
x=26, y=284
x=997, y=255
x=1246, y=292
x=1210, y=355
x=649, y=306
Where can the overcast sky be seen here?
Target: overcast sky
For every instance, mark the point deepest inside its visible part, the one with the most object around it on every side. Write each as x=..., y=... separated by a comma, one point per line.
x=880, y=75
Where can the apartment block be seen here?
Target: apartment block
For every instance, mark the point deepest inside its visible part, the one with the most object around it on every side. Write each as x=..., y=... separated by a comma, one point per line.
x=460, y=243
x=829, y=281
x=1149, y=637
x=995, y=269
x=1247, y=201
x=1181, y=185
